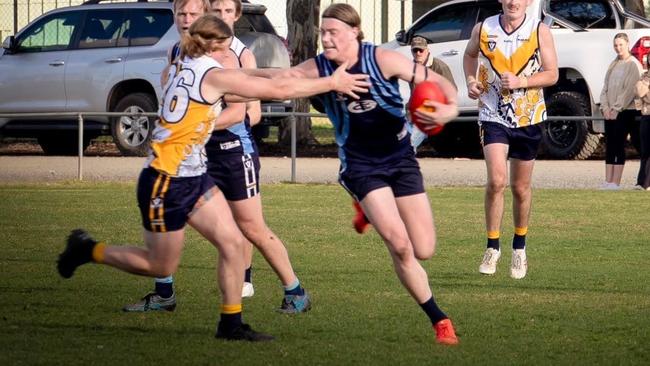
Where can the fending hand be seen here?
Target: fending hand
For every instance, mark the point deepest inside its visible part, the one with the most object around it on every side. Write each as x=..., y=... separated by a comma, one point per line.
x=349, y=84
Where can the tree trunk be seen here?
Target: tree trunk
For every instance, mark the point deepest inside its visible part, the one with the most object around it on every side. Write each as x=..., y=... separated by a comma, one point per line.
x=302, y=20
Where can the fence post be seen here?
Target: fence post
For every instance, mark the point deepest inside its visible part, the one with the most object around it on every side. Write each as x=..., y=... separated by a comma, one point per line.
x=293, y=149
x=80, y=141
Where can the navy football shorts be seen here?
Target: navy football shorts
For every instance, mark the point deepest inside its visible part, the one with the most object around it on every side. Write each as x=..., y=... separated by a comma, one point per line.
x=167, y=202
x=237, y=176
x=523, y=142
x=402, y=181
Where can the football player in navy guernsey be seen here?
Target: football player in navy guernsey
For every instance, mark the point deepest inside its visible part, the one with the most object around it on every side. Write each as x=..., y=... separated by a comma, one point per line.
x=378, y=165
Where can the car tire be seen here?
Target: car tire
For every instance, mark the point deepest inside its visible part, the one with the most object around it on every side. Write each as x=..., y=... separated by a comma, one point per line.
x=568, y=139
x=62, y=143
x=133, y=134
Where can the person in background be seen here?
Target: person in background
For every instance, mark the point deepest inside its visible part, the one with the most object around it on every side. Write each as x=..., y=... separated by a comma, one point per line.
x=508, y=61
x=617, y=106
x=422, y=56
x=643, y=95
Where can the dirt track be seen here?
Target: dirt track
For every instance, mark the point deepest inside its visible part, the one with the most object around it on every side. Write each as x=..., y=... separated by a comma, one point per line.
x=437, y=172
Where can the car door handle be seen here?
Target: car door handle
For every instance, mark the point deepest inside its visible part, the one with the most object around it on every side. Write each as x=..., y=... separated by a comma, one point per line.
x=113, y=60
x=450, y=53
x=57, y=63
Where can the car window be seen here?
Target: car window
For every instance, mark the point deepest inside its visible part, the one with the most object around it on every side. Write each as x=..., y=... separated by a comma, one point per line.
x=101, y=29
x=253, y=23
x=487, y=10
x=147, y=26
x=51, y=33
x=587, y=14
x=444, y=25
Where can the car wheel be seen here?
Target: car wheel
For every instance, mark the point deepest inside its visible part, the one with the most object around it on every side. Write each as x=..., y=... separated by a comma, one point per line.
x=62, y=143
x=568, y=139
x=133, y=133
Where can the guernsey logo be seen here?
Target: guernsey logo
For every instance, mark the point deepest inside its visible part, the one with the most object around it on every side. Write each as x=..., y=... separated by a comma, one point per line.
x=360, y=106
x=492, y=45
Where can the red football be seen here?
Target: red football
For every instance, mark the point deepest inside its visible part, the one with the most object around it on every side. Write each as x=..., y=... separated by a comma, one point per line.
x=426, y=90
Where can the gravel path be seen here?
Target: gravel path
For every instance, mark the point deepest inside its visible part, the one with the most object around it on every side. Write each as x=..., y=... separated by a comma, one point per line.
x=437, y=172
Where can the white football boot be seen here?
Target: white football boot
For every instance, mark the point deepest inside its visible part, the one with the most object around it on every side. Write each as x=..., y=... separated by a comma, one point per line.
x=489, y=264
x=519, y=264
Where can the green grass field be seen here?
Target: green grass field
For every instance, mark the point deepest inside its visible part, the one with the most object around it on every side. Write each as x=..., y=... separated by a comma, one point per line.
x=585, y=301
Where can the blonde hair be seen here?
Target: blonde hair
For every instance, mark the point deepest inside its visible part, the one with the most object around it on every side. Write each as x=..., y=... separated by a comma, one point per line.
x=199, y=39
x=237, y=3
x=181, y=3
x=346, y=14
x=622, y=36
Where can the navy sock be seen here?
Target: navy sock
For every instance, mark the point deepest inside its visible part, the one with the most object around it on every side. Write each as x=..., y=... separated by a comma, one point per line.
x=230, y=321
x=493, y=243
x=165, y=289
x=248, y=275
x=433, y=311
x=519, y=242
x=294, y=289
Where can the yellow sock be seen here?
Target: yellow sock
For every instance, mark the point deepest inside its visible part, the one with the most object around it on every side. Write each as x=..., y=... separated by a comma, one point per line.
x=231, y=309
x=493, y=234
x=98, y=252
x=521, y=231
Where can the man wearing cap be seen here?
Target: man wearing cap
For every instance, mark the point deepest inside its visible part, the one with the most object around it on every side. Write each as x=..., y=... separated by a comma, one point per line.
x=422, y=56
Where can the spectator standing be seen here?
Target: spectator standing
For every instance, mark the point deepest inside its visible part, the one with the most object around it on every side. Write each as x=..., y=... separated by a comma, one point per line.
x=422, y=56
x=642, y=87
x=617, y=106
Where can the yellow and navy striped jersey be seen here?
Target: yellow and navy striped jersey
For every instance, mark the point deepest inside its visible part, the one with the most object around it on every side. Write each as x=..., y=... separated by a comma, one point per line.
x=517, y=52
x=186, y=120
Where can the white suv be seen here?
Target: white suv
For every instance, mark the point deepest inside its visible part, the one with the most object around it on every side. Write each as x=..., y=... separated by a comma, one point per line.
x=104, y=57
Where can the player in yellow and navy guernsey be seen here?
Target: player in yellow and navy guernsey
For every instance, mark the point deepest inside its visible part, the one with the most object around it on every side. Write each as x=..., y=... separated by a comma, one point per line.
x=509, y=59
x=233, y=164
x=174, y=189
x=378, y=165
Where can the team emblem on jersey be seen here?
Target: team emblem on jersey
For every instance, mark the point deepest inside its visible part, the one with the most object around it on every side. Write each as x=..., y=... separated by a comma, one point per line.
x=492, y=45
x=363, y=105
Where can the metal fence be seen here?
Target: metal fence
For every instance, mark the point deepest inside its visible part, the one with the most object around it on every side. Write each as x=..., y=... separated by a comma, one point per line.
x=80, y=118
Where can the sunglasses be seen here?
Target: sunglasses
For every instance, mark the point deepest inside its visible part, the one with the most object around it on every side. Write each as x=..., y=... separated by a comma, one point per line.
x=417, y=50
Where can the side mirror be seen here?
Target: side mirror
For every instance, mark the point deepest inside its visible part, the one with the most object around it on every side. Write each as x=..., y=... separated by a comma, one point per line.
x=9, y=43
x=400, y=37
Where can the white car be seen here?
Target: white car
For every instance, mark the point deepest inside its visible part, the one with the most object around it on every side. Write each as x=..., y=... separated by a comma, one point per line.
x=583, y=31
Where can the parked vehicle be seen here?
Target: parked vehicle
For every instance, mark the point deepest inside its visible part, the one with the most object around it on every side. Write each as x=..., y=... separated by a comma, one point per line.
x=105, y=57
x=583, y=31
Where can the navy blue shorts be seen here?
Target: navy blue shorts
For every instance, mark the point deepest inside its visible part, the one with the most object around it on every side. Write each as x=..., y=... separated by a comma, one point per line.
x=237, y=176
x=402, y=181
x=523, y=142
x=167, y=202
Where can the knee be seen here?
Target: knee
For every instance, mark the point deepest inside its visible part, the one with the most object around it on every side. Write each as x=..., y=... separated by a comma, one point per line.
x=520, y=191
x=401, y=249
x=254, y=232
x=424, y=251
x=496, y=186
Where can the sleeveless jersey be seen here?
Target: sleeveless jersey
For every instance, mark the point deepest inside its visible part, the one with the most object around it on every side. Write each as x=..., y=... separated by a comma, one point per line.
x=372, y=130
x=517, y=52
x=186, y=120
x=236, y=138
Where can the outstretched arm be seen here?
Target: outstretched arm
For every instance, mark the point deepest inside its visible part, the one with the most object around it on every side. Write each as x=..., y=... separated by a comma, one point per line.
x=238, y=83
